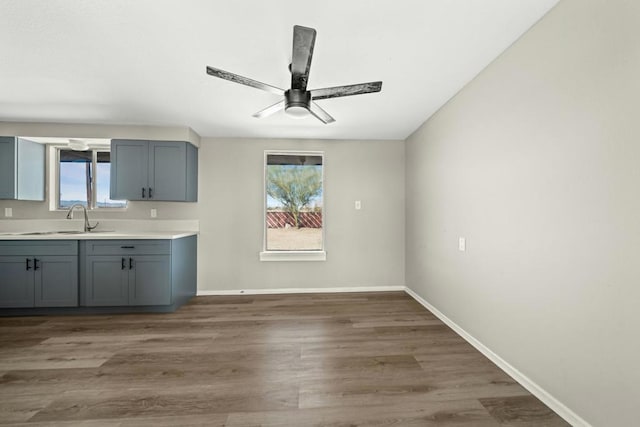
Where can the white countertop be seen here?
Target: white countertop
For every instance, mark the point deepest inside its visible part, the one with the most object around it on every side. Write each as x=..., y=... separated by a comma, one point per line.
x=95, y=235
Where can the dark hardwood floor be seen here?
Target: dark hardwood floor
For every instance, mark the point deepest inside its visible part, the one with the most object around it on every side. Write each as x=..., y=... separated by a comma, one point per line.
x=361, y=359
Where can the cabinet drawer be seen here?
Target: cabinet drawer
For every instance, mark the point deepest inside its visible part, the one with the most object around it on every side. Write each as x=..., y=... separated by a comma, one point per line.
x=38, y=247
x=128, y=247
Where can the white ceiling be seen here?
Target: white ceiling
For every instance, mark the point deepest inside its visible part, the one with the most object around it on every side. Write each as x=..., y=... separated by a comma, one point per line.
x=143, y=61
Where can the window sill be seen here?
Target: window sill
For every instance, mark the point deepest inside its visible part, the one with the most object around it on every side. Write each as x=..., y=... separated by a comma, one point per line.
x=293, y=256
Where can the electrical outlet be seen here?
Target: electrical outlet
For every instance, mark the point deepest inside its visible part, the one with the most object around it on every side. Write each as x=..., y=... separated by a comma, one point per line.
x=8, y=212
x=462, y=244
x=154, y=213
x=358, y=205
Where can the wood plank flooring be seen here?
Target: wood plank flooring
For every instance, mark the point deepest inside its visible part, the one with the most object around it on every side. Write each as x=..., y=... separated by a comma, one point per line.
x=361, y=359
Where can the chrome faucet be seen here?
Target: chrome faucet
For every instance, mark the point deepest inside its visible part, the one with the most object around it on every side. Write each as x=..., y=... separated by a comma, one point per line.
x=87, y=227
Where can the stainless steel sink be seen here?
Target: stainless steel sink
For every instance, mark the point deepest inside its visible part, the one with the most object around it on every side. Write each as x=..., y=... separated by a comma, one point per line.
x=34, y=233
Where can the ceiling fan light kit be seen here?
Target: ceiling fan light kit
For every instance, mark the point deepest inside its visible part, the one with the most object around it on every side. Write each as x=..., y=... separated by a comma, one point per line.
x=296, y=103
x=299, y=102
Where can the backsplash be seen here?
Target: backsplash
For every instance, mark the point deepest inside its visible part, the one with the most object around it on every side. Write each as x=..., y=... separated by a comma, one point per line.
x=18, y=225
x=23, y=210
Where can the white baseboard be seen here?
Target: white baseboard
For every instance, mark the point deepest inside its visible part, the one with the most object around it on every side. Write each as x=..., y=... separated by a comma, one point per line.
x=302, y=290
x=553, y=403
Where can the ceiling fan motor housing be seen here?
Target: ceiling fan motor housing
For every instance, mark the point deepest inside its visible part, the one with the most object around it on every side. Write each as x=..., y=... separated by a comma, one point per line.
x=297, y=102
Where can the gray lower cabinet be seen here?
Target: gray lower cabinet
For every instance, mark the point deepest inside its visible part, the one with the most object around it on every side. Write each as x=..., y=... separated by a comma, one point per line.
x=145, y=275
x=32, y=274
x=150, y=280
x=128, y=280
x=138, y=272
x=56, y=281
x=16, y=283
x=107, y=281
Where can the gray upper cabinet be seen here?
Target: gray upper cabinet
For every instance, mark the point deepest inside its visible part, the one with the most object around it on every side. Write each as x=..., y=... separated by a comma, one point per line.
x=22, y=166
x=154, y=170
x=129, y=170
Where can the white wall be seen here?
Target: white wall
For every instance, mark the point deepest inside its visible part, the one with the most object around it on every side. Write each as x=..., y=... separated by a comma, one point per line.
x=536, y=163
x=364, y=248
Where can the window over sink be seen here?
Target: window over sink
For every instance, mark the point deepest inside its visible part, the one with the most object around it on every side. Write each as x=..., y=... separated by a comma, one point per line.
x=83, y=177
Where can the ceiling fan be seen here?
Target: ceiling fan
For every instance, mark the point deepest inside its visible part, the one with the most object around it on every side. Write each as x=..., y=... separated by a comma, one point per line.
x=298, y=101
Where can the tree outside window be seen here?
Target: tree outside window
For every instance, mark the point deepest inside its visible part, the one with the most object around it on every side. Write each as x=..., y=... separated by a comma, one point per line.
x=294, y=196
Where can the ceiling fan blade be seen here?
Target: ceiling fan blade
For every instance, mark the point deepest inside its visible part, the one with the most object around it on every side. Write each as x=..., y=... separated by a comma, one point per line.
x=338, y=91
x=271, y=109
x=303, y=41
x=320, y=114
x=216, y=72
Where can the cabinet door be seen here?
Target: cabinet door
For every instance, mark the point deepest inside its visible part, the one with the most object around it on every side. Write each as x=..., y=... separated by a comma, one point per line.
x=168, y=170
x=16, y=282
x=192, y=173
x=129, y=169
x=7, y=167
x=30, y=173
x=150, y=280
x=56, y=281
x=107, y=281
x=22, y=164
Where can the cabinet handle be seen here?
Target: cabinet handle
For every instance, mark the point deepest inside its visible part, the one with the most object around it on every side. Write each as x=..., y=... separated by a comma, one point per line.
x=127, y=247
x=150, y=192
x=122, y=265
x=35, y=263
x=28, y=264
x=130, y=263
x=143, y=192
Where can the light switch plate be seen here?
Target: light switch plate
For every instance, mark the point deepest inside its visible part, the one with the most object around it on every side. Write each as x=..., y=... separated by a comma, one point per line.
x=154, y=213
x=462, y=244
x=8, y=212
x=358, y=205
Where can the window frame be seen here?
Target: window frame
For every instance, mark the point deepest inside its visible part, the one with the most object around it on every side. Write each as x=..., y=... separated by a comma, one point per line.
x=54, y=176
x=292, y=255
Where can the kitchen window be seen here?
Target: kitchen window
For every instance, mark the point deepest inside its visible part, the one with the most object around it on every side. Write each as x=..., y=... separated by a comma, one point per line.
x=84, y=177
x=294, y=220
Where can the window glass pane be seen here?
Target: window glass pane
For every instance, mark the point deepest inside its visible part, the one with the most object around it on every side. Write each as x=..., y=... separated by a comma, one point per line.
x=103, y=179
x=75, y=178
x=294, y=202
